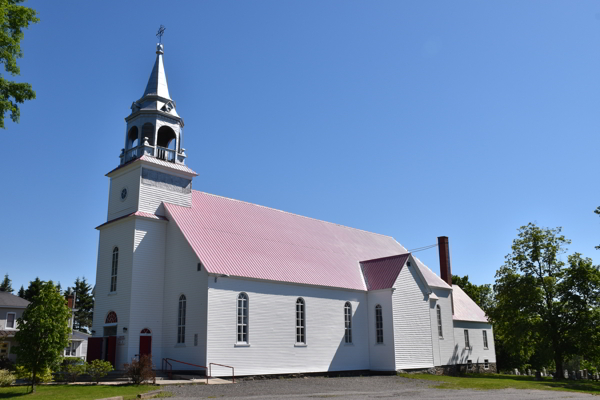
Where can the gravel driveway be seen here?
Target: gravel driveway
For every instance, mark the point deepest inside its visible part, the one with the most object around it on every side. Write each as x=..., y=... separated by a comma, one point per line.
x=371, y=387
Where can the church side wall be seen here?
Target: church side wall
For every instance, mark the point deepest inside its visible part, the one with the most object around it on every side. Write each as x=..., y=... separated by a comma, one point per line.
x=272, y=335
x=381, y=354
x=182, y=277
x=151, y=197
x=477, y=353
x=443, y=348
x=412, y=325
x=147, y=284
x=119, y=234
x=117, y=207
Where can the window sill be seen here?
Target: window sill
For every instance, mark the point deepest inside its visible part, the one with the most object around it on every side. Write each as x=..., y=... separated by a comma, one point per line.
x=300, y=345
x=379, y=344
x=180, y=345
x=242, y=345
x=348, y=344
x=112, y=293
x=486, y=348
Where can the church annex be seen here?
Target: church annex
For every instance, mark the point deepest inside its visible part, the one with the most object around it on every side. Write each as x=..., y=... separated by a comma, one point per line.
x=200, y=278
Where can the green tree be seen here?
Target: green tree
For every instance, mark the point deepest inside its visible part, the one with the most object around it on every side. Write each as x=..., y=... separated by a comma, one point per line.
x=43, y=331
x=482, y=295
x=34, y=287
x=13, y=18
x=6, y=285
x=98, y=369
x=84, y=303
x=543, y=307
x=21, y=292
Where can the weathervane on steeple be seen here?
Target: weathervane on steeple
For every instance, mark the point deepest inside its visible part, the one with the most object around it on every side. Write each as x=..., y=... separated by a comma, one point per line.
x=161, y=32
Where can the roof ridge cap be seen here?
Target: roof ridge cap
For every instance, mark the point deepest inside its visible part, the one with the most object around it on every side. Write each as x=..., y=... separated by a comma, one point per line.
x=294, y=214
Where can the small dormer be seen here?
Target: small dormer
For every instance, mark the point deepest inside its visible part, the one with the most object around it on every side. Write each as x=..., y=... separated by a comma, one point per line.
x=154, y=128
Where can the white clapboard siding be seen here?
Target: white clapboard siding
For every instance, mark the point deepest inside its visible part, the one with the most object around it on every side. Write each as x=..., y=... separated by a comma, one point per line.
x=412, y=325
x=117, y=207
x=147, y=285
x=477, y=354
x=182, y=277
x=152, y=197
x=381, y=354
x=272, y=335
x=443, y=348
x=119, y=234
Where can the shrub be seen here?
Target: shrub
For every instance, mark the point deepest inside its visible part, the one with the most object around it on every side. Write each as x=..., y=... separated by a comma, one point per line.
x=5, y=363
x=140, y=371
x=42, y=376
x=6, y=378
x=98, y=369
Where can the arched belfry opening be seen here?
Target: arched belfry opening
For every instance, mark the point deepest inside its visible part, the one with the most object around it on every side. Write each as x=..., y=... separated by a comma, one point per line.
x=148, y=132
x=166, y=143
x=133, y=138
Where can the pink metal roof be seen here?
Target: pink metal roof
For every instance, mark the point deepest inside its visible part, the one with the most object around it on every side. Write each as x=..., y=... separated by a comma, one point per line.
x=153, y=160
x=382, y=273
x=430, y=277
x=241, y=239
x=466, y=309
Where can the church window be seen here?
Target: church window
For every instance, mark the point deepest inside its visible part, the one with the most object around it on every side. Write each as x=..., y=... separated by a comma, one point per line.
x=485, y=342
x=115, y=267
x=300, y=322
x=148, y=132
x=439, y=321
x=111, y=318
x=242, y=318
x=181, y=320
x=467, y=344
x=379, y=323
x=348, y=322
x=10, y=320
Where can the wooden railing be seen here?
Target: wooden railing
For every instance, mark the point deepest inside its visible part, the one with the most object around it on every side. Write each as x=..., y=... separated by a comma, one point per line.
x=133, y=153
x=165, y=154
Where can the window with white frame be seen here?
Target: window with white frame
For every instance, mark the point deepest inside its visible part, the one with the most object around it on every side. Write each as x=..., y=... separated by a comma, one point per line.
x=181, y=320
x=379, y=323
x=348, y=322
x=485, y=342
x=300, y=322
x=242, y=318
x=439, y=321
x=467, y=344
x=10, y=320
x=486, y=364
x=115, y=267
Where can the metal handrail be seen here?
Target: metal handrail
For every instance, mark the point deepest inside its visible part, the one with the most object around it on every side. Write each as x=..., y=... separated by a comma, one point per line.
x=227, y=366
x=166, y=360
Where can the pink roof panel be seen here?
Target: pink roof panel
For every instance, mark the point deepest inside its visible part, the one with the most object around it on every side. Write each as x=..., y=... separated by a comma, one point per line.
x=466, y=309
x=382, y=273
x=242, y=239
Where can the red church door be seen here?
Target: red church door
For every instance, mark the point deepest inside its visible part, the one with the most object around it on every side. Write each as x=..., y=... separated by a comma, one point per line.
x=94, y=350
x=145, y=345
x=111, y=350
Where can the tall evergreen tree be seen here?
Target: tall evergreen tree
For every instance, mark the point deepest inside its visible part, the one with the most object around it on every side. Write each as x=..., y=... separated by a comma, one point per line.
x=34, y=289
x=84, y=303
x=6, y=286
x=21, y=293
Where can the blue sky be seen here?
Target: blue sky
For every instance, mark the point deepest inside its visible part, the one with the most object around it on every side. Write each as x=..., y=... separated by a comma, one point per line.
x=412, y=119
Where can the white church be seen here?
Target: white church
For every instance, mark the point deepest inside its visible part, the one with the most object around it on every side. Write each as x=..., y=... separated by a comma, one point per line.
x=198, y=278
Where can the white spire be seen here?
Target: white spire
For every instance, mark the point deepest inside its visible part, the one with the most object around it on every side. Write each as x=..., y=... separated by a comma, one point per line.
x=157, y=84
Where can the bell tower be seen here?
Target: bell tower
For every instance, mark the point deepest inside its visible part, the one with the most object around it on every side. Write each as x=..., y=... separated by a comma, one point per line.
x=154, y=128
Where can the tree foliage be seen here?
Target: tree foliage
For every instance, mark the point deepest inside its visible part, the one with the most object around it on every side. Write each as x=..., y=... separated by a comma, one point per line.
x=6, y=285
x=33, y=290
x=482, y=295
x=545, y=310
x=43, y=332
x=21, y=292
x=84, y=302
x=14, y=18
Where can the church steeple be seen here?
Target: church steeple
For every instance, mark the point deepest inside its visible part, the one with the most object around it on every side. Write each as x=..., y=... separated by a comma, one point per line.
x=154, y=128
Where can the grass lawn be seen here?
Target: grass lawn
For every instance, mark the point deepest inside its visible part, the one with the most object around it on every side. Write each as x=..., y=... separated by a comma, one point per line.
x=497, y=381
x=75, y=392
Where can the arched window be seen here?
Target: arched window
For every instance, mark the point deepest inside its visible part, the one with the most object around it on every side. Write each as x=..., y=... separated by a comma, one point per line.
x=300, y=322
x=379, y=323
x=148, y=132
x=166, y=138
x=181, y=320
x=132, y=137
x=439, y=321
x=242, y=318
x=348, y=322
x=115, y=267
x=145, y=331
x=111, y=318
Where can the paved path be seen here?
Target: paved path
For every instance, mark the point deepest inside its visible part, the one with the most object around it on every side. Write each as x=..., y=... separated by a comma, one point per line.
x=354, y=388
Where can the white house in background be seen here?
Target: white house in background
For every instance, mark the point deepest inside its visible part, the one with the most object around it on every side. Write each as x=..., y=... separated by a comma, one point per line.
x=201, y=278
x=11, y=309
x=77, y=340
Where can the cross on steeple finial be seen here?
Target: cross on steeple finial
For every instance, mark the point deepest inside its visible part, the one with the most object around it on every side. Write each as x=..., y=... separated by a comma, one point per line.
x=161, y=32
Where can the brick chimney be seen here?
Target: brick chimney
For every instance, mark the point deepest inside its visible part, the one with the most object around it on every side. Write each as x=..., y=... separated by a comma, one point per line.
x=445, y=266
x=71, y=300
